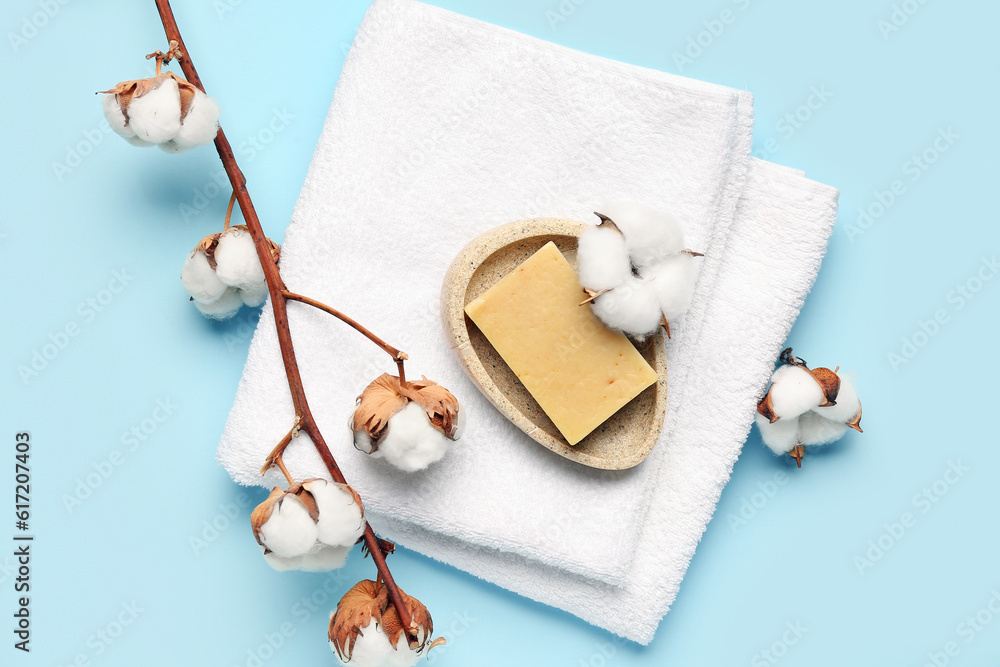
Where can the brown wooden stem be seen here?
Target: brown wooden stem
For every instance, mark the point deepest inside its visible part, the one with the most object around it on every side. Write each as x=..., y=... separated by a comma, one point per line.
x=276, y=288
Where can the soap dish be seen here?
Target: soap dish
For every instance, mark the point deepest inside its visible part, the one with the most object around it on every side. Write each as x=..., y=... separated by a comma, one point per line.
x=624, y=440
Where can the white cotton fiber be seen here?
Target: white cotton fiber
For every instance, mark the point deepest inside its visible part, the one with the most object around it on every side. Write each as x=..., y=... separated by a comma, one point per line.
x=650, y=235
x=199, y=279
x=116, y=119
x=340, y=520
x=280, y=564
x=631, y=308
x=793, y=391
x=411, y=443
x=816, y=430
x=371, y=649
x=222, y=308
x=673, y=281
x=236, y=259
x=847, y=405
x=781, y=436
x=156, y=116
x=290, y=531
x=199, y=126
x=323, y=558
x=602, y=258
x=254, y=295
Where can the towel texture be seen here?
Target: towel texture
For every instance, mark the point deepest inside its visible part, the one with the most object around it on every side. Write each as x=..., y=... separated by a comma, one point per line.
x=441, y=128
x=776, y=244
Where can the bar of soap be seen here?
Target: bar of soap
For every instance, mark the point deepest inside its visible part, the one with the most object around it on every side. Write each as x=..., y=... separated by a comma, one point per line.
x=579, y=371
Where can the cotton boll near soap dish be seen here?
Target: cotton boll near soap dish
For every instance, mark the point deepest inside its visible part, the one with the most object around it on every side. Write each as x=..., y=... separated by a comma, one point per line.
x=625, y=438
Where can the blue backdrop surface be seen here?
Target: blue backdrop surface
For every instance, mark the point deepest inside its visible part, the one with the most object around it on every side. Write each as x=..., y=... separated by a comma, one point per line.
x=881, y=550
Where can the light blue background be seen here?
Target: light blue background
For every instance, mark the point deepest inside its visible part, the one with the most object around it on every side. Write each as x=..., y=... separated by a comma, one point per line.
x=64, y=233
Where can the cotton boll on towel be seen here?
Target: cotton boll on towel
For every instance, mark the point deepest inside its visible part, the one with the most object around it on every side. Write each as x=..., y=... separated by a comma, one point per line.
x=631, y=308
x=673, y=281
x=341, y=518
x=410, y=424
x=289, y=531
x=651, y=235
x=602, y=258
x=411, y=443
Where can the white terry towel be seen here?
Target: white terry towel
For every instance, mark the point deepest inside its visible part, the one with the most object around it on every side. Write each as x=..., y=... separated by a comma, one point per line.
x=441, y=128
x=776, y=244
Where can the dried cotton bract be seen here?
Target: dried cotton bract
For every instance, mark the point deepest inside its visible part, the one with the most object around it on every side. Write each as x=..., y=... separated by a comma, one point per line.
x=311, y=526
x=806, y=407
x=223, y=273
x=365, y=630
x=411, y=424
x=635, y=269
x=164, y=110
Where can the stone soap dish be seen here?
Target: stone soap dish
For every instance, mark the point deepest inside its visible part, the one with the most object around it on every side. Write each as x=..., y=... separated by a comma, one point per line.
x=624, y=440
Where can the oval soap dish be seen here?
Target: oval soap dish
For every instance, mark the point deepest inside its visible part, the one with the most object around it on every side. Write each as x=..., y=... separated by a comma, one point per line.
x=625, y=439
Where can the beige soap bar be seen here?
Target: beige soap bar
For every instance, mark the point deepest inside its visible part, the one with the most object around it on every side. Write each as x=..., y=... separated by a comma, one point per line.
x=578, y=370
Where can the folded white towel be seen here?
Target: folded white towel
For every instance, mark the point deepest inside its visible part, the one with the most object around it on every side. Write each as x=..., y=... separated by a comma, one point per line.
x=441, y=128
x=775, y=248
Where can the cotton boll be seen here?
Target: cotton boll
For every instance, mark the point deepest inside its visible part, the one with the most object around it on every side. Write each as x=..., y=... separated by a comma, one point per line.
x=254, y=295
x=602, y=258
x=323, y=558
x=848, y=404
x=340, y=520
x=816, y=430
x=199, y=278
x=222, y=308
x=411, y=443
x=236, y=259
x=199, y=126
x=290, y=531
x=632, y=308
x=650, y=235
x=371, y=649
x=280, y=564
x=673, y=280
x=793, y=391
x=781, y=436
x=156, y=116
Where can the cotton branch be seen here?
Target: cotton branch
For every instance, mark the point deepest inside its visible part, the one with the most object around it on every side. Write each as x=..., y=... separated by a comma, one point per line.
x=279, y=297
